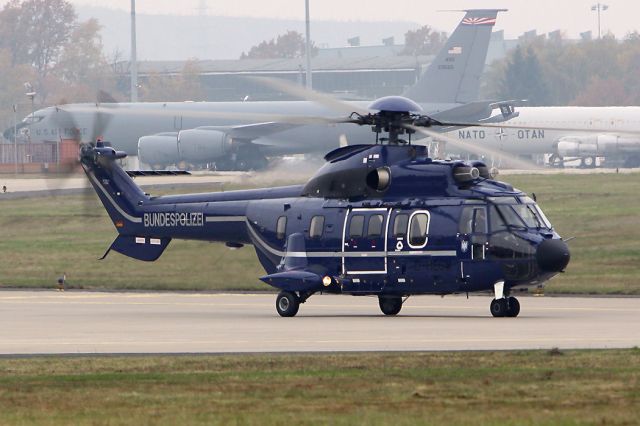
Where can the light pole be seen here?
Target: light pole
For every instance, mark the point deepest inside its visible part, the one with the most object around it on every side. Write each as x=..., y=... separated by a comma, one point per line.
x=15, y=137
x=599, y=7
x=31, y=94
x=308, y=45
x=134, y=56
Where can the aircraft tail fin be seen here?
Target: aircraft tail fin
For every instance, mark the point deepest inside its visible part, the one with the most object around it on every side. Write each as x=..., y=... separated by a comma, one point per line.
x=118, y=192
x=454, y=75
x=122, y=199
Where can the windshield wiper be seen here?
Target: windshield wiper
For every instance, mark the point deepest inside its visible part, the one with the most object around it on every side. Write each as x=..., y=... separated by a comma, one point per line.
x=531, y=210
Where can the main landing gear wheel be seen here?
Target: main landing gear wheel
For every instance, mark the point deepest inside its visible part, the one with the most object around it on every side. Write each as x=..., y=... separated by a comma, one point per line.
x=390, y=305
x=588, y=162
x=287, y=304
x=508, y=307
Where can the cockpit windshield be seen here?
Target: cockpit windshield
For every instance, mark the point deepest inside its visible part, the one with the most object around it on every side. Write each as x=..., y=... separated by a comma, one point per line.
x=32, y=119
x=525, y=214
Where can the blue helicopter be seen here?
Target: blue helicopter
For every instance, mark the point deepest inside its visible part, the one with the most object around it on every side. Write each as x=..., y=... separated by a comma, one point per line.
x=381, y=220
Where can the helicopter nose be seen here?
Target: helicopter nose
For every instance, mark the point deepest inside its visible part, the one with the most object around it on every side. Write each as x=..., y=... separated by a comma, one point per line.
x=553, y=255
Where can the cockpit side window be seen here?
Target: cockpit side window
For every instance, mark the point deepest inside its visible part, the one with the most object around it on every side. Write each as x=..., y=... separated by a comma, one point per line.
x=480, y=220
x=466, y=221
x=495, y=220
x=542, y=216
x=510, y=216
x=526, y=212
x=473, y=220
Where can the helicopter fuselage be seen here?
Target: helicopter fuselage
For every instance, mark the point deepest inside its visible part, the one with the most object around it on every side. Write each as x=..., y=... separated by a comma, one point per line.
x=410, y=229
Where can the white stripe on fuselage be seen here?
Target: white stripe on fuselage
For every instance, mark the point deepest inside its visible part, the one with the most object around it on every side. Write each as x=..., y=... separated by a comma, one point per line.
x=113, y=203
x=339, y=254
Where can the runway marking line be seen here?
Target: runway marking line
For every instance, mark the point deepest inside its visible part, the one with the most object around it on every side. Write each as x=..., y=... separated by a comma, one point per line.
x=332, y=341
x=530, y=308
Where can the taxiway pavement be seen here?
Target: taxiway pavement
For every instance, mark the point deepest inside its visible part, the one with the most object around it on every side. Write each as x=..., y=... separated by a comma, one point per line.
x=45, y=322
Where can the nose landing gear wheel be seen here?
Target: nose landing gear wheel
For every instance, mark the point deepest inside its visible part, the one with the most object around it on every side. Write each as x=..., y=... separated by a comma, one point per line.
x=498, y=307
x=509, y=307
x=390, y=305
x=287, y=304
x=513, y=307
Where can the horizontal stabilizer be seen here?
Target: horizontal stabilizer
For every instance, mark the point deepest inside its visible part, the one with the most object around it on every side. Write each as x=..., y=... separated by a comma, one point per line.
x=140, y=248
x=134, y=173
x=294, y=280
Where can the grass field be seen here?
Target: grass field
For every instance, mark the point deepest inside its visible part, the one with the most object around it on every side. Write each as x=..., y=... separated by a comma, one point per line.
x=455, y=388
x=40, y=238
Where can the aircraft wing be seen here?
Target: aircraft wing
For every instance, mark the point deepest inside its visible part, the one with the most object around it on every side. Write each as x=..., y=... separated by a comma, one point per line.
x=249, y=132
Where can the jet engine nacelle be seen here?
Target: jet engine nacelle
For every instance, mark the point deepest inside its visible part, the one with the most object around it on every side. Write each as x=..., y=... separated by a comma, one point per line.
x=159, y=150
x=202, y=145
x=599, y=145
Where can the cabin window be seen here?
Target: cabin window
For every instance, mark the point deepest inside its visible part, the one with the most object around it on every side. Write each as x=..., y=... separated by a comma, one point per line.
x=375, y=226
x=281, y=228
x=400, y=225
x=356, y=226
x=317, y=226
x=418, y=229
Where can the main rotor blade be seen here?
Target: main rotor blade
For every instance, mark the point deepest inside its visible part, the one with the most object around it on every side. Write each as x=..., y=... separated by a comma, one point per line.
x=323, y=99
x=476, y=148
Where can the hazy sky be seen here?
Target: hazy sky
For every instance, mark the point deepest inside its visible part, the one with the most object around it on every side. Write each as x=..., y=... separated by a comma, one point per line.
x=572, y=16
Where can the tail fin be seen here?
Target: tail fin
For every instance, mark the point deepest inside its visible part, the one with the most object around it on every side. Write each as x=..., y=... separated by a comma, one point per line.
x=122, y=199
x=454, y=75
x=119, y=194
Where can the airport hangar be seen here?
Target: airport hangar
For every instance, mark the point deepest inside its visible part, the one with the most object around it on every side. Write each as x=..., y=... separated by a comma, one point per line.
x=354, y=72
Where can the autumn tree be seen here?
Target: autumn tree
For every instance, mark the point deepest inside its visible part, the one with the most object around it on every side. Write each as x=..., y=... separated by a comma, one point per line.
x=523, y=78
x=82, y=68
x=185, y=86
x=12, y=78
x=36, y=31
x=289, y=45
x=423, y=41
x=587, y=73
x=42, y=42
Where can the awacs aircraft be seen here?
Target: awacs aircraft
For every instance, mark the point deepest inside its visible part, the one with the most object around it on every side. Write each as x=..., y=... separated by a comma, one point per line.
x=382, y=220
x=211, y=132
x=571, y=133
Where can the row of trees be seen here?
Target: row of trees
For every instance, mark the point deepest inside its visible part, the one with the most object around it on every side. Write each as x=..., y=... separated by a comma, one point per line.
x=556, y=72
x=422, y=41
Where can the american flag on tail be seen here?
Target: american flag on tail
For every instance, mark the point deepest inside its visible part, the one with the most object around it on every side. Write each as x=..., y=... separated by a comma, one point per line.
x=479, y=21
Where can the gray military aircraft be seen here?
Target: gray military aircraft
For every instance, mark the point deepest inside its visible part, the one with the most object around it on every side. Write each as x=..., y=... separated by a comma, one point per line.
x=241, y=135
